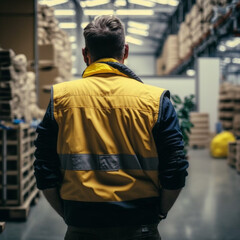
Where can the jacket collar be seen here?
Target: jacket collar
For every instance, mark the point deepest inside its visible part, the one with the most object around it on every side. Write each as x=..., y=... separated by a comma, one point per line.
x=99, y=67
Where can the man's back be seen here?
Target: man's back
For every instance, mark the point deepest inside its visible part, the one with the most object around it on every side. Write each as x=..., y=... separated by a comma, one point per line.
x=106, y=146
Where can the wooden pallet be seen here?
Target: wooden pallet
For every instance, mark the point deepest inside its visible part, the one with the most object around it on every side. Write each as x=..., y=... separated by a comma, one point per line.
x=19, y=212
x=6, y=73
x=5, y=58
x=198, y=145
x=20, y=158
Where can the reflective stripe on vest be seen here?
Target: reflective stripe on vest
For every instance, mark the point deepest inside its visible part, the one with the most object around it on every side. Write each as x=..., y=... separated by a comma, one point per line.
x=107, y=162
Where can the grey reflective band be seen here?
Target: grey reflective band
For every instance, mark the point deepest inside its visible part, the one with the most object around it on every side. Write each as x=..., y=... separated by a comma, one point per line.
x=111, y=162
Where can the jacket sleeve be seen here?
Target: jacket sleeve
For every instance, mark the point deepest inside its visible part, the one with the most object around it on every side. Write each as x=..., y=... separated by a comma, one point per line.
x=47, y=164
x=169, y=143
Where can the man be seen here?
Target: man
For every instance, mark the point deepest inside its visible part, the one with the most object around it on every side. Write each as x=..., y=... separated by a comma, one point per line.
x=109, y=155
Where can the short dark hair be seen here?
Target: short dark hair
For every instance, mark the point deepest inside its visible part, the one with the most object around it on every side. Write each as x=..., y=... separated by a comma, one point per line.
x=105, y=38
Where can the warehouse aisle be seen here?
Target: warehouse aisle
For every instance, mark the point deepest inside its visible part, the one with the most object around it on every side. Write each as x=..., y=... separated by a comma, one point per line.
x=208, y=208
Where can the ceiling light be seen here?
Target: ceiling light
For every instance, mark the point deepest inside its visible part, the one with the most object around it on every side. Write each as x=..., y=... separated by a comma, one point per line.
x=227, y=60
x=72, y=39
x=233, y=43
x=84, y=24
x=74, y=46
x=173, y=3
x=190, y=72
x=68, y=25
x=138, y=31
x=74, y=71
x=133, y=40
x=236, y=60
x=51, y=3
x=93, y=3
x=120, y=3
x=142, y=3
x=94, y=12
x=134, y=12
x=164, y=2
x=138, y=25
x=64, y=12
x=222, y=48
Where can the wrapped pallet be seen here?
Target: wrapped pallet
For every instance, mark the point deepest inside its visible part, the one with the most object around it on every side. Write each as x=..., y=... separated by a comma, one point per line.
x=55, y=62
x=54, y=44
x=18, y=97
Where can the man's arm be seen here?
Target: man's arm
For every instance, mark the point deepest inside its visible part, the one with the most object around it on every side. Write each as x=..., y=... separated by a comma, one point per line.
x=173, y=165
x=47, y=164
x=168, y=198
x=53, y=197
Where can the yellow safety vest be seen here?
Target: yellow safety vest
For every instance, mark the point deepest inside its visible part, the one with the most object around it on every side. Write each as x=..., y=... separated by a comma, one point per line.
x=105, y=142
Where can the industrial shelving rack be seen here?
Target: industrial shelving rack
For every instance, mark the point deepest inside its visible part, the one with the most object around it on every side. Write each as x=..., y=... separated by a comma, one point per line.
x=224, y=26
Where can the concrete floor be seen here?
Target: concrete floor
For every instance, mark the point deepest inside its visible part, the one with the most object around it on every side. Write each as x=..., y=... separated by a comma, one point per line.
x=207, y=209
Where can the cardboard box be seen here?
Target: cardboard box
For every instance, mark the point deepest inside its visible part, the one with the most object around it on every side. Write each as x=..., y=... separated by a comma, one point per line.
x=159, y=66
x=46, y=76
x=17, y=33
x=47, y=55
x=188, y=18
x=195, y=10
x=196, y=21
x=44, y=96
x=17, y=7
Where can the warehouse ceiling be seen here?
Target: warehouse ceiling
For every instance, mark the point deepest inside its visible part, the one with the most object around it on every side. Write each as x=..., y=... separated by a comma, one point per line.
x=145, y=20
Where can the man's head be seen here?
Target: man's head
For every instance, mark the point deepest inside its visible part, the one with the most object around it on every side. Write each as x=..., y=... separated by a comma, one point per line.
x=104, y=38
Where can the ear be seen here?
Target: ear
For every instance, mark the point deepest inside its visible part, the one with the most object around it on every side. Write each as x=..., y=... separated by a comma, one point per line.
x=85, y=55
x=126, y=51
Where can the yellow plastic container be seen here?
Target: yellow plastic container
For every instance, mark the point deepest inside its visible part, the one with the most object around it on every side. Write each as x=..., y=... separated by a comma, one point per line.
x=219, y=144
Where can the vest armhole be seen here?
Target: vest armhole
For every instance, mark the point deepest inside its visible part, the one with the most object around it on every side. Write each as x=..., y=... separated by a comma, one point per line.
x=52, y=104
x=167, y=94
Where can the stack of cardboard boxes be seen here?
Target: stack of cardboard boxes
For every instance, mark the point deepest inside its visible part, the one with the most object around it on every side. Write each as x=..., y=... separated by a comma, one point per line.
x=229, y=107
x=234, y=155
x=17, y=88
x=184, y=40
x=169, y=58
x=196, y=24
x=236, y=118
x=231, y=158
x=192, y=31
x=238, y=156
x=199, y=136
x=55, y=53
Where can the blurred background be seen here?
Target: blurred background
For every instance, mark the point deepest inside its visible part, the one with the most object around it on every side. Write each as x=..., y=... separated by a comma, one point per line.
x=191, y=47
